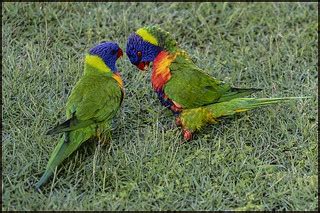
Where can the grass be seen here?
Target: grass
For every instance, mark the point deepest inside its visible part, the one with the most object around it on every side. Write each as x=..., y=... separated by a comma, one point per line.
x=265, y=159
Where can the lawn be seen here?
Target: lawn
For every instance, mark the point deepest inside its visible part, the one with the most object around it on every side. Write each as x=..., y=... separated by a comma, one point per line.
x=265, y=159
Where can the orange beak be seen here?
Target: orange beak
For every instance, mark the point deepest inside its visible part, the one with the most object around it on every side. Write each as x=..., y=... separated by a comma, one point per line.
x=143, y=66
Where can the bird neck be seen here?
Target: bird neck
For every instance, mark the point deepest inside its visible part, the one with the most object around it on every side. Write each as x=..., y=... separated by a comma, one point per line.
x=94, y=65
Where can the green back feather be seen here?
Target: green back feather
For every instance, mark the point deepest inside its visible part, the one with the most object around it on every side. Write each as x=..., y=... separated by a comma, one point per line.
x=165, y=40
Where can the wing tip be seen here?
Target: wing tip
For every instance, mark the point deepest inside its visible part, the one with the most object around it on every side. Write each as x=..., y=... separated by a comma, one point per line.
x=237, y=89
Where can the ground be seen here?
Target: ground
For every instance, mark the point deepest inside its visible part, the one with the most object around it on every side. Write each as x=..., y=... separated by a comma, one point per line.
x=265, y=159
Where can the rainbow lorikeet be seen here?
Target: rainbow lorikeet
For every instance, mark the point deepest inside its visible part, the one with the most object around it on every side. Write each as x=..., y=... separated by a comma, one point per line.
x=92, y=104
x=194, y=97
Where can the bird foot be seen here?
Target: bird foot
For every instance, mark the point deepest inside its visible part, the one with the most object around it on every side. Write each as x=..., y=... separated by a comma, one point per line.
x=187, y=135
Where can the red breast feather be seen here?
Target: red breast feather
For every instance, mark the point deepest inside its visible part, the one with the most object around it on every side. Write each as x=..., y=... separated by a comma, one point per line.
x=160, y=71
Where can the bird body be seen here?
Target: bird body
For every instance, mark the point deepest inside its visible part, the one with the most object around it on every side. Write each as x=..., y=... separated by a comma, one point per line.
x=194, y=97
x=92, y=104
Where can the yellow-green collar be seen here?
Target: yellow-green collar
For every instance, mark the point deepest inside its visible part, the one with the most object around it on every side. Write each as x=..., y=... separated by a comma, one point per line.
x=96, y=62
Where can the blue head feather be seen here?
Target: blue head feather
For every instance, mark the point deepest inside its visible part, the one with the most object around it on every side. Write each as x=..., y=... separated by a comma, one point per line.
x=136, y=44
x=108, y=52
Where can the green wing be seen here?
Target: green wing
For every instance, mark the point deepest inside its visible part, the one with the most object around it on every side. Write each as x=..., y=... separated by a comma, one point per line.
x=95, y=98
x=191, y=87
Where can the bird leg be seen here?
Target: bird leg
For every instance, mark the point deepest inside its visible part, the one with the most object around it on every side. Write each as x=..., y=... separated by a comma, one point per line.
x=176, y=108
x=187, y=135
x=178, y=121
x=104, y=137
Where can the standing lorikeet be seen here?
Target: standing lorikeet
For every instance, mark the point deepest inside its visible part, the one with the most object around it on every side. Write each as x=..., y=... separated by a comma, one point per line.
x=92, y=104
x=194, y=97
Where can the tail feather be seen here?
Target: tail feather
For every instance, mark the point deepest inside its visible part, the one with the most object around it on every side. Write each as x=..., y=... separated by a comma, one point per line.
x=244, y=104
x=55, y=159
x=238, y=93
x=194, y=119
x=63, y=150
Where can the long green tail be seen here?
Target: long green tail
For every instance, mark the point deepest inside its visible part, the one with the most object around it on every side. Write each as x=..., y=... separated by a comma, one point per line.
x=243, y=104
x=195, y=119
x=64, y=150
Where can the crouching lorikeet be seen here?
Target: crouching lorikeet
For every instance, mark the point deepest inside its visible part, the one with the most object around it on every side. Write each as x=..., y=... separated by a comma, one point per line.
x=93, y=102
x=194, y=97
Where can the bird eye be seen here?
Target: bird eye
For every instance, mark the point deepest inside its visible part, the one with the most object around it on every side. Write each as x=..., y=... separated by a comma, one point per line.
x=113, y=52
x=139, y=54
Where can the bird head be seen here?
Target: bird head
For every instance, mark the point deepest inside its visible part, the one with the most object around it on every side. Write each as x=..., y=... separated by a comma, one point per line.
x=109, y=52
x=146, y=43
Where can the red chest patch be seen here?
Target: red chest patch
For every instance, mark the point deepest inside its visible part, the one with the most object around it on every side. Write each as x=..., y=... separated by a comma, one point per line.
x=160, y=70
